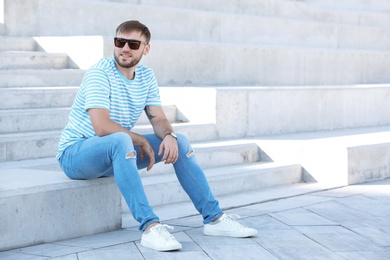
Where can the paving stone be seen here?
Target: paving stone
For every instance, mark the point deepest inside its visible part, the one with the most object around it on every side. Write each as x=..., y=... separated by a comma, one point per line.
x=104, y=239
x=372, y=205
x=382, y=255
x=290, y=203
x=335, y=211
x=296, y=217
x=338, y=239
x=127, y=251
x=264, y=223
x=290, y=244
x=50, y=250
x=67, y=257
x=376, y=222
x=12, y=256
x=229, y=252
x=379, y=235
x=333, y=193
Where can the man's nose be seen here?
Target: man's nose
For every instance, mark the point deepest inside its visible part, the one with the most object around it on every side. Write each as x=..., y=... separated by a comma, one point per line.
x=126, y=47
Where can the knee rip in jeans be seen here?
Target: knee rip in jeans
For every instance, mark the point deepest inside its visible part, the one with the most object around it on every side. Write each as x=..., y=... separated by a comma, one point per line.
x=131, y=155
x=190, y=154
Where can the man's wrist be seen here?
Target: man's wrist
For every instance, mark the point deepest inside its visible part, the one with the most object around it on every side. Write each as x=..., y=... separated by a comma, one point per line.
x=171, y=134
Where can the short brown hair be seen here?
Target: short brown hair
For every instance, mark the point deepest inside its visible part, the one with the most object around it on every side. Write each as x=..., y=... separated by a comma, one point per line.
x=134, y=25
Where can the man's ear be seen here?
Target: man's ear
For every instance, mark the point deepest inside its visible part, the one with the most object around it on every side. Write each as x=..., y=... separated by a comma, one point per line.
x=147, y=49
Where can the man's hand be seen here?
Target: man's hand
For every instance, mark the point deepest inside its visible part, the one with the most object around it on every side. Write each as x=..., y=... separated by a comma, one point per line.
x=146, y=149
x=170, y=149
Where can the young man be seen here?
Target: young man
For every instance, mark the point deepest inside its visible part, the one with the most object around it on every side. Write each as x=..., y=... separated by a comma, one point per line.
x=98, y=141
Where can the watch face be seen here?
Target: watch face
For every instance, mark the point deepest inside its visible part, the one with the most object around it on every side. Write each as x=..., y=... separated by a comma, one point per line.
x=174, y=135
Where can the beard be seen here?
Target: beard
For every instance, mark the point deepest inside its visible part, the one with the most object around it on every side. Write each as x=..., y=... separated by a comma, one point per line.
x=127, y=64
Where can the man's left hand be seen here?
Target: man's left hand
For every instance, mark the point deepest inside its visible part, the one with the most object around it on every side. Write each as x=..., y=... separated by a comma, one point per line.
x=170, y=149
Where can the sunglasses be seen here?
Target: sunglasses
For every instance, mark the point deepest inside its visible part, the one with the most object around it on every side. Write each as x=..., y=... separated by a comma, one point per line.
x=133, y=44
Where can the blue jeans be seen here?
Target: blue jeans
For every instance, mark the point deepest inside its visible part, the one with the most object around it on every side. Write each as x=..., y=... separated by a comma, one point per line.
x=107, y=156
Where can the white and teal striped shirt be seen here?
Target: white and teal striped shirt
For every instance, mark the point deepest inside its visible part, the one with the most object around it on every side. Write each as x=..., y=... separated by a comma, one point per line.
x=103, y=86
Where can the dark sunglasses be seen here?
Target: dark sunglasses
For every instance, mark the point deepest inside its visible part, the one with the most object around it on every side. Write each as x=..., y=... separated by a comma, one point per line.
x=133, y=44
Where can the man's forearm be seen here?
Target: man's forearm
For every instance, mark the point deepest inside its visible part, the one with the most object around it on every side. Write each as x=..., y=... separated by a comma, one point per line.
x=162, y=128
x=112, y=127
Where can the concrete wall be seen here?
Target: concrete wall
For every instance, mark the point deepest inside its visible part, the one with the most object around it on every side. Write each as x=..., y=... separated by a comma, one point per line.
x=2, y=30
x=280, y=110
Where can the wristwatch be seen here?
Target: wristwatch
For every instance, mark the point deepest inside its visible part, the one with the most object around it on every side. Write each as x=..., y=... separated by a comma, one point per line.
x=171, y=134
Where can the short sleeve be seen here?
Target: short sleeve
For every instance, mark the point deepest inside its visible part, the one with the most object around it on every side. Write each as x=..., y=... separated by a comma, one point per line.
x=96, y=89
x=153, y=98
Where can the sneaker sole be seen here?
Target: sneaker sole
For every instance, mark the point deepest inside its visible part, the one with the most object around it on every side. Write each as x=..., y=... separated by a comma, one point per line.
x=228, y=234
x=162, y=249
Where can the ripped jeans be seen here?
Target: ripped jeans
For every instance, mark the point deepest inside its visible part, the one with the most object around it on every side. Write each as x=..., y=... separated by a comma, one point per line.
x=107, y=156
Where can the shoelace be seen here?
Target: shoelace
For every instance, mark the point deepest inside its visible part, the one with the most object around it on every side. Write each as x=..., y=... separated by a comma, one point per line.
x=232, y=220
x=162, y=231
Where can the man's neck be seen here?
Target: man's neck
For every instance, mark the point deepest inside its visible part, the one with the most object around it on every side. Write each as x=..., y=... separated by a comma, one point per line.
x=128, y=73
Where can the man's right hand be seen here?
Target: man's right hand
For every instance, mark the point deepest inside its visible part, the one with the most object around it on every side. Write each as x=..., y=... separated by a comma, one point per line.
x=146, y=149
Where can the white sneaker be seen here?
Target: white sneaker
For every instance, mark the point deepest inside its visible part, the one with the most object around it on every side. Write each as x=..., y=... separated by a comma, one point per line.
x=228, y=226
x=159, y=238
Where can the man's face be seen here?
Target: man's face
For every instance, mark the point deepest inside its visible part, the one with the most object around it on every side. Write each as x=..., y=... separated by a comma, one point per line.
x=126, y=57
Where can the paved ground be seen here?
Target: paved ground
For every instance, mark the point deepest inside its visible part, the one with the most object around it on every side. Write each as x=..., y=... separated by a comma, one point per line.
x=346, y=223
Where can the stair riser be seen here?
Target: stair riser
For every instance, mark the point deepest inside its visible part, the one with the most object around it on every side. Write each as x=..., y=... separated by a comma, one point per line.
x=172, y=192
x=33, y=121
x=47, y=213
x=267, y=66
x=29, y=60
x=18, y=150
x=270, y=66
x=376, y=5
x=14, y=121
x=32, y=78
x=37, y=98
x=28, y=149
x=17, y=44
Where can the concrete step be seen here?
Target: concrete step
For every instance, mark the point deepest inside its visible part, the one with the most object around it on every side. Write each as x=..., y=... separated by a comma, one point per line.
x=372, y=5
x=38, y=206
x=369, y=15
x=10, y=43
x=22, y=146
x=37, y=97
x=269, y=65
x=46, y=201
x=335, y=158
x=29, y=120
x=263, y=30
x=216, y=153
x=278, y=66
x=46, y=119
x=32, y=60
x=210, y=154
x=165, y=189
x=33, y=145
x=40, y=77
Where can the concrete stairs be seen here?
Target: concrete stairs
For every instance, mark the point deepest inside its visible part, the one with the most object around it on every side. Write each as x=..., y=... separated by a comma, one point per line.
x=32, y=115
x=252, y=70
x=279, y=42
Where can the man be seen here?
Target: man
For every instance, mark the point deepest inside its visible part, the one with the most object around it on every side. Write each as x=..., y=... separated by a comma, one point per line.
x=98, y=141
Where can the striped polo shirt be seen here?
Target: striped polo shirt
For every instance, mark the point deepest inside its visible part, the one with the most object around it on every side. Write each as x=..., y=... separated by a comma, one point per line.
x=104, y=86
